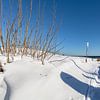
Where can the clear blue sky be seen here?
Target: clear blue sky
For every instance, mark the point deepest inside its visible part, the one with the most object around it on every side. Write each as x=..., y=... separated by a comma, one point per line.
x=81, y=23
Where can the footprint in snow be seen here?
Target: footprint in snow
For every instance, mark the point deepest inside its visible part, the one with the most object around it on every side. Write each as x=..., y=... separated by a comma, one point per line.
x=43, y=75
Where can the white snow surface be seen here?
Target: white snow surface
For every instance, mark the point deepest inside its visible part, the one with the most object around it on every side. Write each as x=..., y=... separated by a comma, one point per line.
x=61, y=78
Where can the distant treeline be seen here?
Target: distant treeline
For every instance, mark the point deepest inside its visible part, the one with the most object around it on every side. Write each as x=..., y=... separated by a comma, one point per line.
x=91, y=56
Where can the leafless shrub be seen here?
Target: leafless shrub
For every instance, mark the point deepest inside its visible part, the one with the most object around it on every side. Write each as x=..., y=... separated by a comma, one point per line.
x=32, y=40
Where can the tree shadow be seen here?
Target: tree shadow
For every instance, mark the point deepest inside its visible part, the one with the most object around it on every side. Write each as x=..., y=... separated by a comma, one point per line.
x=8, y=92
x=83, y=88
x=89, y=77
x=91, y=73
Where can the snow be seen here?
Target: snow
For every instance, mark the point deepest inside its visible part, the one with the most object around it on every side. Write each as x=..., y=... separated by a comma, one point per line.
x=3, y=87
x=61, y=78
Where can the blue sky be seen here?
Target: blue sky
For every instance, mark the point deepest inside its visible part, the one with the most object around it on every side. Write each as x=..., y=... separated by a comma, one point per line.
x=80, y=23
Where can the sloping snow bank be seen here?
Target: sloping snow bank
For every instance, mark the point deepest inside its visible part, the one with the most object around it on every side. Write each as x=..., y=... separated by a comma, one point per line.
x=3, y=87
x=27, y=79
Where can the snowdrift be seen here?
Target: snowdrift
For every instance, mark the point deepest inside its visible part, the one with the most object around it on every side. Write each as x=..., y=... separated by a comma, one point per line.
x=67, y=79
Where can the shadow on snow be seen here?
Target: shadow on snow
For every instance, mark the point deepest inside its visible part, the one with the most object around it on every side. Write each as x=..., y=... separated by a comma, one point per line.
x=83, y=88
x=8, y=92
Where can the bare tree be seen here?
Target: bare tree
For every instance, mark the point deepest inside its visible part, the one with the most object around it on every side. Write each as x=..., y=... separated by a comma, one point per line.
x=33, y=39
x=1, y=37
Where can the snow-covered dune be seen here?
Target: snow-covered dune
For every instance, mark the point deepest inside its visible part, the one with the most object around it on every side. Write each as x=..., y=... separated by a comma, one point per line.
x=3, y=87
x=67, y=79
